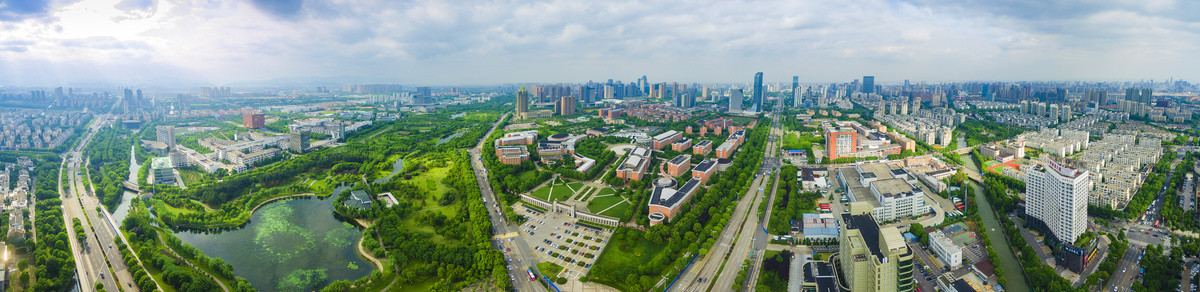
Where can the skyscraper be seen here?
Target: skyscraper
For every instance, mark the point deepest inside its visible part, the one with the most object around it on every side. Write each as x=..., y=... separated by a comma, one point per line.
x=522, y=102
x=868, y=84
x=735, y=99
x=758, y=92
x=1057, y=198
x=796, y=95
x=565, y=105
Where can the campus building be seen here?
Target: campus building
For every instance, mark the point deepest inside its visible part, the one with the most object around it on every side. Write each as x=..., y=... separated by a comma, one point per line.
x=891, y=191
x=635, y=165
x=666, y=138
x=704, y=170
x=678, y=165
x=512, y=155
x=704, y=147
x=666, y=202
x=873, y=258
x=682, y=145
x=945, y=249
x=517, y=138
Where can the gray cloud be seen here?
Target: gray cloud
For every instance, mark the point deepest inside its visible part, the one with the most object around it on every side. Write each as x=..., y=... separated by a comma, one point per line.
x=449, y=42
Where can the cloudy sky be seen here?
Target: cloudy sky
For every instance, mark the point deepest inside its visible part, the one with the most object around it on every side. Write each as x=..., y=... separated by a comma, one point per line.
x=487, y=42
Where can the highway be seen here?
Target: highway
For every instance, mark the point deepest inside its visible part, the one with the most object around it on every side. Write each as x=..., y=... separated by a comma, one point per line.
x=98, y=258
x=520, y=256
x=753, y=238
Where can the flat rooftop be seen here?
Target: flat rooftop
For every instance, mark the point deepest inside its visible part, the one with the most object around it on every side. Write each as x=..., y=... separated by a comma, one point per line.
x=680, y=159
x=705, y=165
x=892, y=187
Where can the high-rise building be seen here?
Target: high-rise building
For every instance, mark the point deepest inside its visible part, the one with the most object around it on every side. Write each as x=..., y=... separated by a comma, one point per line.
x=298, y=141
x=796, y=95
x=1056, y=198
x=522, y=102
x=166, y=135
x=873, y=258
x=868, y=84
x=840, y=141
x=758, y=92
x=735, y=99
x=565, y=105
x=424, y=95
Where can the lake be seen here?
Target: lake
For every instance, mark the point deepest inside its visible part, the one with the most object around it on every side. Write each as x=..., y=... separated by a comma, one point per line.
x=287, y=242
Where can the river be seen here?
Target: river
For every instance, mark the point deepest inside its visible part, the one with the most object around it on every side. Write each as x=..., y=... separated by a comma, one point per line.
x=1008, y=261
x=285, y=241
x=122, y=210
x=397, y=167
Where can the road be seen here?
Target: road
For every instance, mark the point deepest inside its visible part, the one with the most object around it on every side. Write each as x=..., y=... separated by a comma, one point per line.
x=771, y=162
x=1122, y=277
x=521, y=255
x=97, y=259
x=700, y=276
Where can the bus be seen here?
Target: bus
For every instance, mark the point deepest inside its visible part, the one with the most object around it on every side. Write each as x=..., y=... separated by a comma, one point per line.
x=531, y=276
x=1156, y=223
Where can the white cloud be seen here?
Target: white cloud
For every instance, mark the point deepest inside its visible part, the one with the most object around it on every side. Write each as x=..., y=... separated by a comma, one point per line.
x=452, y=42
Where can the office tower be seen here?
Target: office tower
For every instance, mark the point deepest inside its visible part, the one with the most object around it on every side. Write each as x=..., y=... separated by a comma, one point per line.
x=758, y=92
x=873, y=258
x=986, y=92
x=735, y=99
x=522, y=102
x=796, y=91
x=166, y=135
x=1057, y=197
x=868, y=84
x=644, y=85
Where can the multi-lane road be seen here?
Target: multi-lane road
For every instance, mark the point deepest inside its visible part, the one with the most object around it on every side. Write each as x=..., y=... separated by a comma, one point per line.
x=518, y=253
x=704, y=274
x=97, y=259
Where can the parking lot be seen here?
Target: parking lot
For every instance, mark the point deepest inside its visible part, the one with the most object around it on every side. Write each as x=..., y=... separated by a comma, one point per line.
x=559, y=239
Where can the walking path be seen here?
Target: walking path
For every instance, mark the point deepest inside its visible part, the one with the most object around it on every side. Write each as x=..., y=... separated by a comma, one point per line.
x=164, y=243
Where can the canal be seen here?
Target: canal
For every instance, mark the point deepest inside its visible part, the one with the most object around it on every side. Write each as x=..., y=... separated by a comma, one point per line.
x=1013, y=272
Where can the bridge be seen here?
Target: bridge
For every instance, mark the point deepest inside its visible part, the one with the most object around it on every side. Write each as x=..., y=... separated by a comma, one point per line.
x=131, y=186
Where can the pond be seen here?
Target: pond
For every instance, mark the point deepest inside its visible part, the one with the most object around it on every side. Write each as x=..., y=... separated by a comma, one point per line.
x=292, y=245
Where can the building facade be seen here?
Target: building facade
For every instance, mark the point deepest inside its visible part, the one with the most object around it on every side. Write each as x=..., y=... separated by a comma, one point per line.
x=1056, y=198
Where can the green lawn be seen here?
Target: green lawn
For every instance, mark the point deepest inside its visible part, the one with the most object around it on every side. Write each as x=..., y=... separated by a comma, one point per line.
x=617, y=211
x=549, y=269
x=561, y=192
x=542, y=193
x=575, y=185
x=619, y=259
x=598, y=203
x=528, y=175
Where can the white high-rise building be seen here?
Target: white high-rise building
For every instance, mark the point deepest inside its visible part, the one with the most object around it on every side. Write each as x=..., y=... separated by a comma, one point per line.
x=1057, y=195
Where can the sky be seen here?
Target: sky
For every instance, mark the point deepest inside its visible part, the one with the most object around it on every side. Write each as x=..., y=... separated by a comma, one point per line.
x=498, y=41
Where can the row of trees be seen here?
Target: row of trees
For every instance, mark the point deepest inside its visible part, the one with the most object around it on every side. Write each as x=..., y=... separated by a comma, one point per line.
x=108, y=154
x=52, y=255
x=791, y=202
x=689, y=233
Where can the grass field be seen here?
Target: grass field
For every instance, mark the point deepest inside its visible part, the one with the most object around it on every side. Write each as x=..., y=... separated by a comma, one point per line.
x=556, y=190
x=549, y=269
x=617, y=210
x=598, y=203
x=615, y=263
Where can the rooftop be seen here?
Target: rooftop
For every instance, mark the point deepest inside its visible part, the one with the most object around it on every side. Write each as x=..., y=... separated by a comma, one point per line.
x=705, y=165
x=680, y=159
x=894, y=187
x=868, y=229
x=160, y=162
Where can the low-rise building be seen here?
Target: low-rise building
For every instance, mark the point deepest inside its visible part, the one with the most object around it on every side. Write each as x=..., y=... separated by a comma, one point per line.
x=635, y=165
x=666, y=138
x=666, y=202
x=702, y=148
x=517, y=138
x=682, y=145
x=704, y=170
x=945, y=249
x=678, y=165
x=512, y=155
x=164, y=172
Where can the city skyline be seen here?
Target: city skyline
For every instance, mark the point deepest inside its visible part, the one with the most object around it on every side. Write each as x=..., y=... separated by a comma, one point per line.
x=438, y=43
